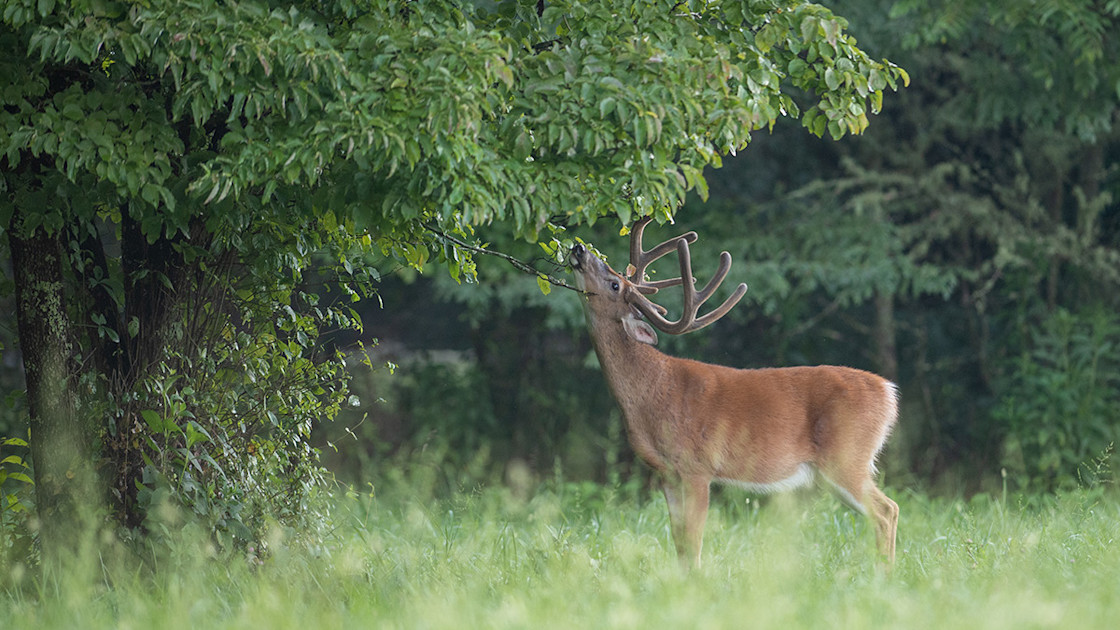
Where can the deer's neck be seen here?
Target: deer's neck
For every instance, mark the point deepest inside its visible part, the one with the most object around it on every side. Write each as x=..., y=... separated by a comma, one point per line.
x=636, y=372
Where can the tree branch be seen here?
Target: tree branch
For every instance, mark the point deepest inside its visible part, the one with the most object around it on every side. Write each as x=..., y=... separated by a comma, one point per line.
x=519, y=264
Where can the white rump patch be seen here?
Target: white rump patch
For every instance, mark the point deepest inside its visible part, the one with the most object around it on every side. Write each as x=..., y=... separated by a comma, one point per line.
x=801, y=478
x=888, y=423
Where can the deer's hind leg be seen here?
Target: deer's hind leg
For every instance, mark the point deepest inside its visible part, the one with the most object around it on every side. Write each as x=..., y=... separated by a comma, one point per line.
x=860, y=493
x=884, y=513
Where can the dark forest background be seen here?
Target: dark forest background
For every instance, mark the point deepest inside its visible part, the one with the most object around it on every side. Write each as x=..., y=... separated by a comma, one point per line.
x=966, y=246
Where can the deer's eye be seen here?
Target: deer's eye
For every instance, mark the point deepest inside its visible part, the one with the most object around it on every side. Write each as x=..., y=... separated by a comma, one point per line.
x=614, y=286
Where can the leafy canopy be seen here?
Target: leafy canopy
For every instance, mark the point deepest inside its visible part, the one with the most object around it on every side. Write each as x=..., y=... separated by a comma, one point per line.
x=404, y=113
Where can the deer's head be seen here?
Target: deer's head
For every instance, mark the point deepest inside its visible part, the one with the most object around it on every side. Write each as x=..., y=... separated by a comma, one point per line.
x=617, y=299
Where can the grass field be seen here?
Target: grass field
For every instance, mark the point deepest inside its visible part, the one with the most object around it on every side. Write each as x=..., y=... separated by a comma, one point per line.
x=586, y=556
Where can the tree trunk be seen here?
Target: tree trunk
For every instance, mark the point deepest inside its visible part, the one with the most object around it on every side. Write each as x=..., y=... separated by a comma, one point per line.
x=886, y=344
x=1054, y=208
x=151, y=272
x=63, y=444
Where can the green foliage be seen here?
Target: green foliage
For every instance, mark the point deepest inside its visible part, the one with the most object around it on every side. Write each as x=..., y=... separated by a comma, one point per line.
x=424, y=390
x=852, y=236
x=14, y=468
x=430, y=112
x=1058, y=406
x=16, y=502
x=1050, y=66
x=224, y=422
x=519, y=392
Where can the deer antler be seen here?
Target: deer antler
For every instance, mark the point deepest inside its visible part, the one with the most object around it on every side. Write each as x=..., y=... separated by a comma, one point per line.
x=639, y=259
x=688, y=322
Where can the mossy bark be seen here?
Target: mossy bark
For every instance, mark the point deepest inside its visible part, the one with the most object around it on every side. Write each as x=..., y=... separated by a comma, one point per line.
x=63, y=442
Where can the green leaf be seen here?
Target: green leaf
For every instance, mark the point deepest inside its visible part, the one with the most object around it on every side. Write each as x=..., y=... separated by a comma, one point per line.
x=809, y=27
x=767, y=37
x=623, y=212
x=195, y=434
x=820, y=124
x=154, y=420
x=72, y=111
x=797, y=67
x=831, y=31
x=110, y=333
x=876, y=81
x=522, y=146
x=832, y=78
x=606, y=106
x=876, y=101
x=544, y=284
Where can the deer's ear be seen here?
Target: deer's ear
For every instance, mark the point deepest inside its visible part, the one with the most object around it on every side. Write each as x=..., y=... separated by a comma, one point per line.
x=639, y=330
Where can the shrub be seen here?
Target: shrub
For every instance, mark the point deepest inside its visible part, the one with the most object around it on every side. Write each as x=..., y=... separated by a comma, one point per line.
x=1058, y=404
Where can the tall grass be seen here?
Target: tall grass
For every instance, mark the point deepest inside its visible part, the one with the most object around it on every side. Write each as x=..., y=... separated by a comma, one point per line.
x=584, y=556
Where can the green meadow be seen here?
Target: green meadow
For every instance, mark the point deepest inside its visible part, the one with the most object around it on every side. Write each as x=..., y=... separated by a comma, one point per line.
x=564, y=555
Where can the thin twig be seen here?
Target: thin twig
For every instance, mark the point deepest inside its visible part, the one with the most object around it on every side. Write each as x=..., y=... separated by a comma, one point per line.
x=519, y=264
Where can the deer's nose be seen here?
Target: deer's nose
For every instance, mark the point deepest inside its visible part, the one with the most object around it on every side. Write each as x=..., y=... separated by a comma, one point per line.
x=575, y=258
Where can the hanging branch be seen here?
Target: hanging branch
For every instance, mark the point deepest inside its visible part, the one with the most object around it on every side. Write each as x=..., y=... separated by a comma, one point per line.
x=519, y=264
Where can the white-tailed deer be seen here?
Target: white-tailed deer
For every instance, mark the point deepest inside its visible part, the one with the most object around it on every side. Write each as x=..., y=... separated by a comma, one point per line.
x=765, y=430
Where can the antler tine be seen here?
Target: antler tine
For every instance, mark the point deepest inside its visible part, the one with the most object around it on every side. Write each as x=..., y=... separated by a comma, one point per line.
x=692, y=298
x=713, y=284
x=640, y=259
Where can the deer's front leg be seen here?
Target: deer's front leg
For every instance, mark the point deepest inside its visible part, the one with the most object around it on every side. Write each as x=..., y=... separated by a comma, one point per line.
x=688, y=510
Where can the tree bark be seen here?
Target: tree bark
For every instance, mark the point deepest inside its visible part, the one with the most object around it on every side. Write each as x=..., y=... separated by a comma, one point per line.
x=63, y=444
x=1054, y=208
x=886, y=344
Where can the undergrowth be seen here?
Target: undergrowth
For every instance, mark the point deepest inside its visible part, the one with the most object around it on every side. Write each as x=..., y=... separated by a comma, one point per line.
x=408, y=553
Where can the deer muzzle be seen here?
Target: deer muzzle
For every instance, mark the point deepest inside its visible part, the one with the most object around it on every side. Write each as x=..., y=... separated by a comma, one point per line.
x=577, y=256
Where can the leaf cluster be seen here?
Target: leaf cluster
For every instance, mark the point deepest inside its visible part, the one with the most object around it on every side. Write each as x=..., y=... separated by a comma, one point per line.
x=221, y=423
x=16, y=500
x=1052, y=64
x=423, y=112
